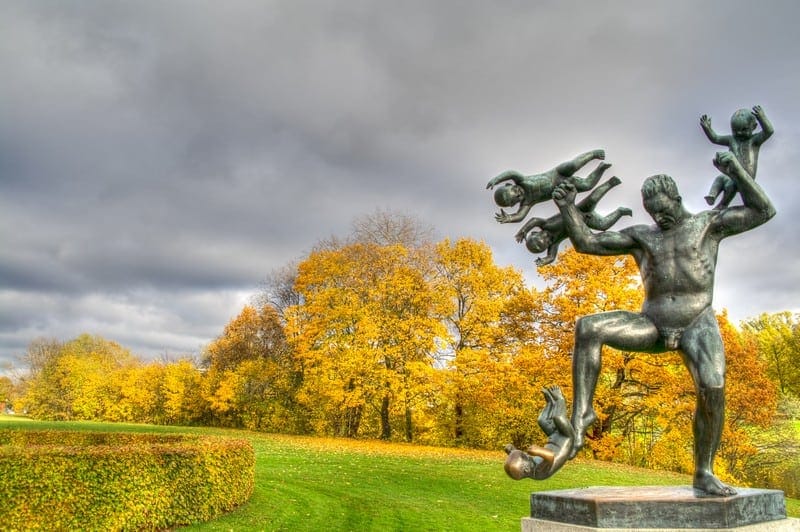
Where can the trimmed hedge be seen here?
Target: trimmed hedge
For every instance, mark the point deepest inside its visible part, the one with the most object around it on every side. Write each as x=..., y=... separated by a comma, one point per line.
x=64, y=480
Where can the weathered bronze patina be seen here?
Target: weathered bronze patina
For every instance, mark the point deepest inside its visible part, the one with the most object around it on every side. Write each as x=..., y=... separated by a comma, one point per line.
x=677, y=259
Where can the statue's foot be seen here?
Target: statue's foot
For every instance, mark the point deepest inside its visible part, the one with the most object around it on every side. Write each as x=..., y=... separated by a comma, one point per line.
x=711, y=486
x=614, y=181
x=599, y=154
x=518, y=464
x=581, y=425
x=625, y=211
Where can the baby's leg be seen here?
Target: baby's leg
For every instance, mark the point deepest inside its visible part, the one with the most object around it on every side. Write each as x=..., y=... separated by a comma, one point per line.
x=582, y=184
x=570, y=167
x=728, y=193
x=545, y=419
x=601, y=223
x=716, y=187
x=590, y=202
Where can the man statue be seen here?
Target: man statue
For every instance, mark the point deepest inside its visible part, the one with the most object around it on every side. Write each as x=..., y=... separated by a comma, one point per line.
x=676, y=258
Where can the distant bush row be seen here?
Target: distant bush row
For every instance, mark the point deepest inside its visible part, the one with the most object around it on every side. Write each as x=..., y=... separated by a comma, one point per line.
x=59, y=480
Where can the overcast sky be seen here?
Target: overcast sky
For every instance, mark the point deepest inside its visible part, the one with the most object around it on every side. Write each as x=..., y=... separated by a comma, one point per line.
x=159, y=158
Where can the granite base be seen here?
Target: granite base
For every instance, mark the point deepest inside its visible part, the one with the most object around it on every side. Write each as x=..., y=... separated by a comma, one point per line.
x=657, y=508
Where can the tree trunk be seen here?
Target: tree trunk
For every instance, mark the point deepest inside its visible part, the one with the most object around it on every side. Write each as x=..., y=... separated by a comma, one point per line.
x=386, y=427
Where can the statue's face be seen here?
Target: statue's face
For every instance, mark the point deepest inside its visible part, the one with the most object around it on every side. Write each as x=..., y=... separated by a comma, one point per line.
x=742, y=126
x=514, y=194
x=509, y=195
x=742, y=132
x=664, y=210
x=537, y=241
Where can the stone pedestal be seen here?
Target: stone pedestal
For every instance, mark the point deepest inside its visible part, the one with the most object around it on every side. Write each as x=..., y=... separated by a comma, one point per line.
x=656, y=508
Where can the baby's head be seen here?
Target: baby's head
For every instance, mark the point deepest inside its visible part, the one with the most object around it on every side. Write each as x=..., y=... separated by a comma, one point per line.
x=508, y=195
x=537, y=241
x=743, y=123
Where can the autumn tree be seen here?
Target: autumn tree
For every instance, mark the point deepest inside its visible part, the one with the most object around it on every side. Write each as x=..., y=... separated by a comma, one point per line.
x=251, y=379
x=361, y=333
x=387, y=227
x=776, y=462
x=7, y=392
x=74, y=380
x=778, y=337
x=278, y=290
x=487, y=393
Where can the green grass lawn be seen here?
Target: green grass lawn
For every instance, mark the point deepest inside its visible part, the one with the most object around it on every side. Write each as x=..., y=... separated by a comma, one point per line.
x=332, y=484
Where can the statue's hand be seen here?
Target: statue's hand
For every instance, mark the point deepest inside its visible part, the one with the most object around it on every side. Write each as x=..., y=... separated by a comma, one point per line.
x=564, y=194
x=723, y=160
x=544, y=261
x=727, y=163
x=490, y=185
x=520, y=236
x=758, y=112
x=502, y=217
x=705, y=122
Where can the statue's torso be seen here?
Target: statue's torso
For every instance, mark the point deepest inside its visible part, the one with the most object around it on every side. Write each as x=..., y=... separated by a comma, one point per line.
x=677, y=267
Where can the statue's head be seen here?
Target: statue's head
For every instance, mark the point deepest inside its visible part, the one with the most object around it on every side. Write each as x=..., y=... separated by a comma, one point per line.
x=508, y=195
x=743, y=123
x=662, y=201
x=537, y=241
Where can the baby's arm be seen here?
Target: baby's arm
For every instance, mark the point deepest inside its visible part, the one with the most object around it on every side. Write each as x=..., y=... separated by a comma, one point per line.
x=766, y=126
x=503, y=217
x=722, y=140
x=530, y=224
x=552, y=252
x=508, y=175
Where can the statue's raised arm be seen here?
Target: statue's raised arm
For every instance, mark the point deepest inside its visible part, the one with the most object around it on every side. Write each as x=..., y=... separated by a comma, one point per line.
x=757, y=208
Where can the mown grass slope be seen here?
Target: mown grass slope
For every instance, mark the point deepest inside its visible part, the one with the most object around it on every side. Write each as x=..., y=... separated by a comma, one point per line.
x=305, y=483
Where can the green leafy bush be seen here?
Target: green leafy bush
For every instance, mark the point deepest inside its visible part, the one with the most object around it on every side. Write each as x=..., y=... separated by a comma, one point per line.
x=59, y=480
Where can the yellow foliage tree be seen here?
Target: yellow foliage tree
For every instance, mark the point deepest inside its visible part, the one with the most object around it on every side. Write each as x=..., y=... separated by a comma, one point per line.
x=494, y=365
x=364, y=329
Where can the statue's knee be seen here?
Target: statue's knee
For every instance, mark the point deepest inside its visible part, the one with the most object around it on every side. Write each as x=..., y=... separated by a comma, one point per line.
x=586, y=328
x=712, y=397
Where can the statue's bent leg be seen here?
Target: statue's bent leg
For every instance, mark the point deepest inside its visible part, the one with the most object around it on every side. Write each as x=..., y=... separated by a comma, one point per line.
x=618, y=329
x=704, y=355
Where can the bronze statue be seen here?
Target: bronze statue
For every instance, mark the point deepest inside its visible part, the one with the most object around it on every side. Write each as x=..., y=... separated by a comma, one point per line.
x=532, y=189
x=541, y=462
x=551, y=231
x=743, y=142
x=677, y=260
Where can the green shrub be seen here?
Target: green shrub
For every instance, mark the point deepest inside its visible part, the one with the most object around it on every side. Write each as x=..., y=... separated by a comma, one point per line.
x=59, y=480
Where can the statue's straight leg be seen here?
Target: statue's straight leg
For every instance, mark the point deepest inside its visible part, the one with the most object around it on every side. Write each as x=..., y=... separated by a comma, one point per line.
x=704, y=355
x=618, y=329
